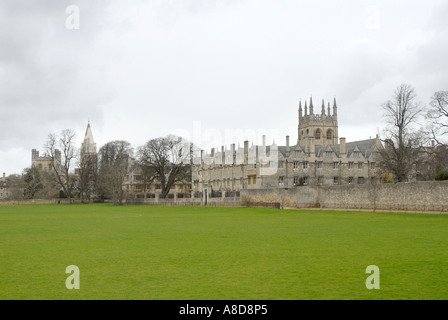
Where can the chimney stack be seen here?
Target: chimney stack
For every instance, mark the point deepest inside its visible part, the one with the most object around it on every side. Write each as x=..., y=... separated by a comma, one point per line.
x=246, y=151
x=343, y=149
x=287, y=143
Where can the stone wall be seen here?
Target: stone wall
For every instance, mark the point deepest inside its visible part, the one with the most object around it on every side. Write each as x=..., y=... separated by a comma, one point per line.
x=37, y=201
x=180, y=202
x=414, y=196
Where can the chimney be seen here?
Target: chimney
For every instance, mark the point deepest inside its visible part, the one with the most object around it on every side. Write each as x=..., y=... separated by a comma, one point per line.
x=246, y=151
x=287, y=143
x=213, y=152
x=264, y=140
x=433, y=143
x=4, y=175
x=343, y=149
x=223, y=155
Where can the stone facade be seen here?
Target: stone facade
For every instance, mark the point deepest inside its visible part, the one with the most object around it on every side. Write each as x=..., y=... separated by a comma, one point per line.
x=318, y=158
x=43, y=162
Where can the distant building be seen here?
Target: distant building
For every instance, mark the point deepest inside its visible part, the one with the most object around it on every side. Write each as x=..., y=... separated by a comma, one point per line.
x=44, y=162
x=133, y=184
x=318, y=158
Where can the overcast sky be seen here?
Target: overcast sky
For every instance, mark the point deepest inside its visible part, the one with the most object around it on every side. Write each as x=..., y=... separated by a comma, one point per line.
x=215, y=71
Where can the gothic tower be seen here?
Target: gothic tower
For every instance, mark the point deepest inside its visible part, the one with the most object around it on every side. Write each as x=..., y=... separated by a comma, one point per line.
x=317, y=129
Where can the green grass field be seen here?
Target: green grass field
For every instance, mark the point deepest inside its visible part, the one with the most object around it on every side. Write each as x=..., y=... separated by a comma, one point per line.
x=173, y=253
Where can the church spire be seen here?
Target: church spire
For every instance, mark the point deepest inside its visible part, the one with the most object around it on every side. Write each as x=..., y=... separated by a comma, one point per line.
x=88, y=146
x=306, y=108
x=300, y=108
x=323, y=107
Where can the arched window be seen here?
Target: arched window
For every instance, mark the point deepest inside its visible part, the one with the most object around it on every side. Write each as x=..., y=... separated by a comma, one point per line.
x=330, y=134
x=318, y=134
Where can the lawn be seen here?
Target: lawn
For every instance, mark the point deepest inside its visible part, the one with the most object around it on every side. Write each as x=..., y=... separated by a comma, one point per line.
x=137, y=252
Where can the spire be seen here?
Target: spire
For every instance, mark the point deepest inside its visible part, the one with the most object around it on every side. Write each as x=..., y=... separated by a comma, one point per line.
x=335, y=108
x=88, y=145
x=328, y=109
x=306, y=108
x=300, y=108
x=323, y=107
x=311, y=106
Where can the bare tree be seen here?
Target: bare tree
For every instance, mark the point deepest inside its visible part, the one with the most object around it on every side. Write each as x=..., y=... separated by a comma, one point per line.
x=62, y=152
x=402, y=139
x=87, y=175
x=169, y=159
x=438, y=116
x=146, y=168
x=114, y=165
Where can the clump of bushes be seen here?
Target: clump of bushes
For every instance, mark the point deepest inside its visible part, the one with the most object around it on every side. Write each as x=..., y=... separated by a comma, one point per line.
x=387, y=178
x=441, y=175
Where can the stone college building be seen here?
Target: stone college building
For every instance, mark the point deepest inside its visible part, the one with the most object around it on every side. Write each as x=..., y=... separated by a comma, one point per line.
x=319, y=157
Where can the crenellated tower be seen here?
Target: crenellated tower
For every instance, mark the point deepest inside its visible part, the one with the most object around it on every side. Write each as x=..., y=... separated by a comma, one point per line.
x=317, y=129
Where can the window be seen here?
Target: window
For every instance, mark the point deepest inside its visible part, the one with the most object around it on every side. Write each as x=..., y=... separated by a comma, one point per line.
x=305, y=180
x=335, y=165
x=298, y=153
x=296, y=180
x=356, y=154
x=360, y=165
x=329, y=134
x=281, y=180
x=318, y=134
x=372, y=165
x=335, y=180
x=361, y=180
x=252, y=180
x=372, y=180
x=320, y=180
x=350, y=165
x=328, y=154
x=320, y=165
x=296, y=164
x=280, y=164
x=350, y=180
x=306, y=164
